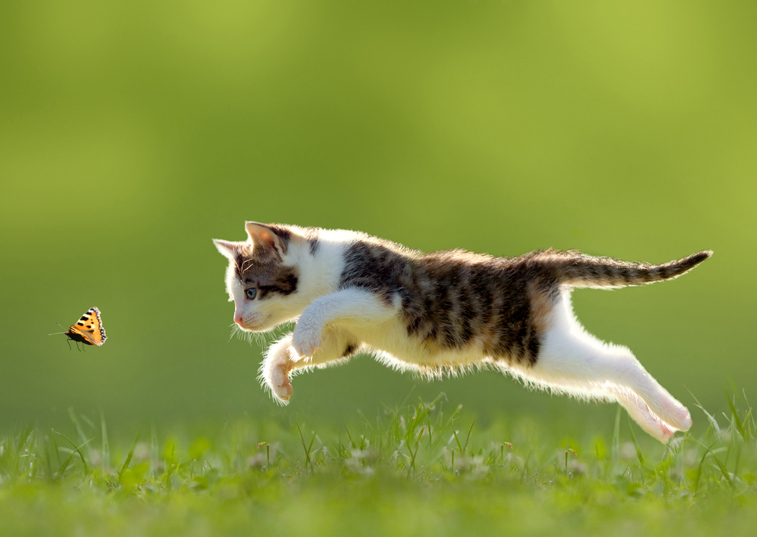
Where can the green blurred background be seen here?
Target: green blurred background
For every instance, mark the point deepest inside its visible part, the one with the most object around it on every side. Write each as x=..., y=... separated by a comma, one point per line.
x=132, y=133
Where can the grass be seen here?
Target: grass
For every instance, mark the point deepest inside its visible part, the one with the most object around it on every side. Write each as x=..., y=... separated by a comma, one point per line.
x=416, y=470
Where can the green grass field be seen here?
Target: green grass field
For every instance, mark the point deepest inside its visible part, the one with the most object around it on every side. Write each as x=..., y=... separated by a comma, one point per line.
x=422, y=469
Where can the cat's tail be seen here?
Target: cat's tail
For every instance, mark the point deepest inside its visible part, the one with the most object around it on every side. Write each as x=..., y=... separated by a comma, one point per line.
x=578, y=270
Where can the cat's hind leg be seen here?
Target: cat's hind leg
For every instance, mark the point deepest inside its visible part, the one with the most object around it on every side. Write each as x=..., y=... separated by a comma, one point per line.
x=572, y=361
x=282, y=361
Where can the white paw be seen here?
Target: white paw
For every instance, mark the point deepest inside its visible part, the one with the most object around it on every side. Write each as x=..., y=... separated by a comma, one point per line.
x=678, y=416
x=306, y=341
x=276, y=376
x=666, y=432
x=280, y=384
x=685, y=423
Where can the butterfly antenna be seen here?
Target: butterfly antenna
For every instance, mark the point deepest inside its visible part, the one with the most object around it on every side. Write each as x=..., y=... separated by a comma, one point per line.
x=56, y=333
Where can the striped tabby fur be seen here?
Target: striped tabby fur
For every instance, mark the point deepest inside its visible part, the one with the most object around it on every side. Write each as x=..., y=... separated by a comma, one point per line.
x=441, y=313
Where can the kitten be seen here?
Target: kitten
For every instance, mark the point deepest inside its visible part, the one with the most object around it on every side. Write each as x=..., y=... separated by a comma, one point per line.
x=441, y=313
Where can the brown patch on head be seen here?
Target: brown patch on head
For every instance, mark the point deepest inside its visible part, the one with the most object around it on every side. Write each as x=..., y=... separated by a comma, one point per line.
x=266, y=274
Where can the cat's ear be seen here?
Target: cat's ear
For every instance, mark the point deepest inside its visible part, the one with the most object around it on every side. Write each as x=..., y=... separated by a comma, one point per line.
x=226, y=248
x=268, y=238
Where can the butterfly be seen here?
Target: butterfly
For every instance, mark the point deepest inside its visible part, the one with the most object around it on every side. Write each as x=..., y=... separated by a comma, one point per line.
x=88, y=329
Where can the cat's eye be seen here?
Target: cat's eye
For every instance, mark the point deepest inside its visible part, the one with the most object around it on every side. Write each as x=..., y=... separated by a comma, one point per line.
x=251, y=293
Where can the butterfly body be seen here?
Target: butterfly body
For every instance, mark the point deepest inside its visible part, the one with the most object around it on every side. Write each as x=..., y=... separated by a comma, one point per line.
x=88, y=329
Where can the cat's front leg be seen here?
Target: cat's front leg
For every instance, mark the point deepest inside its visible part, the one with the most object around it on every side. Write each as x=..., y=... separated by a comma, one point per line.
x=348, y=307
x=307, y=336
x=282, y=360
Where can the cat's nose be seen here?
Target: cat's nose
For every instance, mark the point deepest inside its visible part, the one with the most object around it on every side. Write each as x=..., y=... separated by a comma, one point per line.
x=238, y=319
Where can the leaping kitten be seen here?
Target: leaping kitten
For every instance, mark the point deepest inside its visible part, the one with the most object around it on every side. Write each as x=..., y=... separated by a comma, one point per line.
x=441, y=313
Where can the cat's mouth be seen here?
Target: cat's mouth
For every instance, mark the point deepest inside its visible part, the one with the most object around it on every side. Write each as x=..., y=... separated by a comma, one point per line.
x=256, y=324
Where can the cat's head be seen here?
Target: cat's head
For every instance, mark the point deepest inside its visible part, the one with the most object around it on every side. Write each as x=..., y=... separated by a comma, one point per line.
x=262, y=278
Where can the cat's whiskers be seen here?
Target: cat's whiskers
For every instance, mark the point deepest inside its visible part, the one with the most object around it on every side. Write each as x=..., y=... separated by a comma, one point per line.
x=261, y=339
x=234, y=330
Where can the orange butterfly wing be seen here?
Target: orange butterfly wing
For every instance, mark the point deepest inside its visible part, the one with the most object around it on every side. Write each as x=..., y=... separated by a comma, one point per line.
x=88, y=329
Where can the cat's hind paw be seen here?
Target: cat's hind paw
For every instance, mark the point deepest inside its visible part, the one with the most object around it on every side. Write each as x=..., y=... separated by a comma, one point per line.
x=643, y=415
x=676, y=414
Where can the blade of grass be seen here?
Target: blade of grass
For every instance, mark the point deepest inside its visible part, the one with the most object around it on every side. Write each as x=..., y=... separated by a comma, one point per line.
x=57, y=451
x=734, y=414
x=310, y=447
x=467, y=438
x=459, y=445
x=154, y=452
x=636, y=445
x=304, y=447
x=77, y=424
x=698, y=474
x=62, y=469
x=454, y=415
x=128, y=456
x=77, y=449
x=412, y=457
x=713, y=423
x=105, y=444
x=352, y=442
x=48, y=461
x=616, y=437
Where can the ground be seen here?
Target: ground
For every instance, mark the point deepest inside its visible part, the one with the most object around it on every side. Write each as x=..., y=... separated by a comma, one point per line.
x=416, y=470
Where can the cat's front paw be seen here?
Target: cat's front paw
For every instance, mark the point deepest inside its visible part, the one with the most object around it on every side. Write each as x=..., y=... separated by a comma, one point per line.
x=306, y=341
x=274, y=374
x=275, y=369
x=280, y=384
